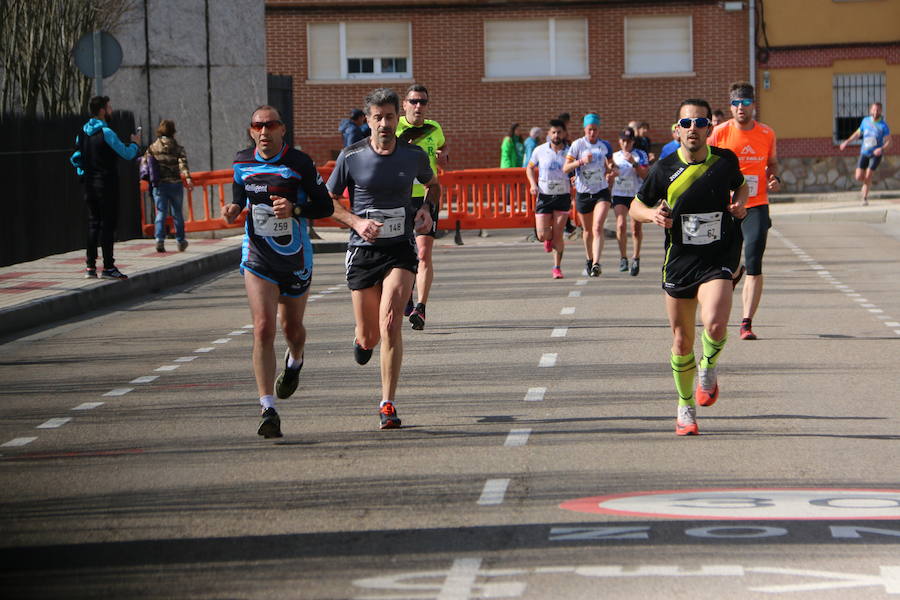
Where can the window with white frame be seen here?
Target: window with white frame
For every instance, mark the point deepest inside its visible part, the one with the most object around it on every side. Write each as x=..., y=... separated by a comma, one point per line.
x=359, y=50
x=535, y=48
x=854, y=94
x=658, y=45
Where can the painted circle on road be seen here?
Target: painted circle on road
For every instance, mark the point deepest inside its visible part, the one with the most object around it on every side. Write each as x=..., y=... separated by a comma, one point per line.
x=747, y=503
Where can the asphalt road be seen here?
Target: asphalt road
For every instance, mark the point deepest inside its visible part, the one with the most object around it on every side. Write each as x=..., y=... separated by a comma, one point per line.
x=145, y=477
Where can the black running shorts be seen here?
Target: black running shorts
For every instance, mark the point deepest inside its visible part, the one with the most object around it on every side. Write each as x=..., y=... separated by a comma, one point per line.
x=367, y=266
x=622, y=201
x=688, y=291
x=868, y=162
x=289, y=284
x=547, y=205
x=585, y=203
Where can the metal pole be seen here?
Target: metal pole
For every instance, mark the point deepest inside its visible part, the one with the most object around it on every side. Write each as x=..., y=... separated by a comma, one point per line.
x=752, y=32
x=98, y=64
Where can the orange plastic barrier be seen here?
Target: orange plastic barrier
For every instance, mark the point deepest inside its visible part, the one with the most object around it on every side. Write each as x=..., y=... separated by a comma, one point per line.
x=472, y=199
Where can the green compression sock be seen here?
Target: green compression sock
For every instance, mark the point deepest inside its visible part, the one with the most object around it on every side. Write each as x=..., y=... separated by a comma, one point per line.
x=683, y=370
x=711, y=350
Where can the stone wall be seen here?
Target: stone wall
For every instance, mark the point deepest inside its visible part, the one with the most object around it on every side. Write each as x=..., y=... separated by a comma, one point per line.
x=835, y=174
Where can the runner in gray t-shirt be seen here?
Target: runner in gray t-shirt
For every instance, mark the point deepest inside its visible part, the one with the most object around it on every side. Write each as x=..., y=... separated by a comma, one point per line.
x=381, y=258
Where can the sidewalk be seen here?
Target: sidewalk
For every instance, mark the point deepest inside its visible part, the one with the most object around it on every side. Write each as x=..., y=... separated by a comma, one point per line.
x=53, y=288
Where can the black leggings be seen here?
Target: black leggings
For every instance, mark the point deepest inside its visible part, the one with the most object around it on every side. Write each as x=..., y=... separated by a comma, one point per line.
x=102, y=203
x=755, y=228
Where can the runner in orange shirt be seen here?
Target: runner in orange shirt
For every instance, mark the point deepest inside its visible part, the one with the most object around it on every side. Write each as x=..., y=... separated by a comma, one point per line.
x=754, y=144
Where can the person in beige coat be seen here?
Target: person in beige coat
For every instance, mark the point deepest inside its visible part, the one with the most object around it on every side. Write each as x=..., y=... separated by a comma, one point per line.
x=167, y=190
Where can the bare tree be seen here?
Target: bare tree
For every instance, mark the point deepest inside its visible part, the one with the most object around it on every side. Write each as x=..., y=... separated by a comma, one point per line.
x=37, y=70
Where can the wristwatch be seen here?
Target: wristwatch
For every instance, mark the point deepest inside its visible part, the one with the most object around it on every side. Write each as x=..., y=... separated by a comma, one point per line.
x=297, y=210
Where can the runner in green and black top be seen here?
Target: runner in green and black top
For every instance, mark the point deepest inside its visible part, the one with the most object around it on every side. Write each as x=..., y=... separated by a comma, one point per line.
x=689, y=194
x=427, y=135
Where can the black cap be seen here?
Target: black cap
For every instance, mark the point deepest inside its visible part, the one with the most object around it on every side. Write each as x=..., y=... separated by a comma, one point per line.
x=627, y=134
x=356, y=113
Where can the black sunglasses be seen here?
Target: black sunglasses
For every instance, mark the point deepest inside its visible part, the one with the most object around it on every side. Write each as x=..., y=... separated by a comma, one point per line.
x=258, y=125
x=422, y=101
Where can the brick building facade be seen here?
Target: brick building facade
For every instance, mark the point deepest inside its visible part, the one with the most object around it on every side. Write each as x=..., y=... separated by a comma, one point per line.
x=448, y=56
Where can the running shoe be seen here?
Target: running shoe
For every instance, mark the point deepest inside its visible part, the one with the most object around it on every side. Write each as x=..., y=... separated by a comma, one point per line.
x=557, y=273
x=409, y=307
x=570, y=227
x=548, y=246
x=747, y=330
x=623, y=264
x=737, y=277
x=287, y=381
x=389, y=418
x=269, y=424
x=417, y=317
x=686, y=423
x=635, y=266
x=182, y=245
x=362, y=355
x=707, y=391
x=587, y=269
x=90, y=273
x=160, y=246
x=596, y=270
x=113, y=273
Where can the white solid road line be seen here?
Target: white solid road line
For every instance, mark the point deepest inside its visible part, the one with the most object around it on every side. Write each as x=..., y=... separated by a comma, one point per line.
x=535, y=394
x=19, y=441
x=88, y=405
x=559, y=332
x=517, y=437
x=118, y=392
x=54, y=423
x=548, y=360
x=493, y=492
x=144, y=379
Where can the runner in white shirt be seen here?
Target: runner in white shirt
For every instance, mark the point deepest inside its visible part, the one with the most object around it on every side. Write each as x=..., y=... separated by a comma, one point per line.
x=551, y=187
x=631, y=168
x=591, y=160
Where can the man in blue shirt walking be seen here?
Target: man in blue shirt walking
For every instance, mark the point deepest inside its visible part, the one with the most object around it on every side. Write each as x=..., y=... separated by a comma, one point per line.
x=876, y=138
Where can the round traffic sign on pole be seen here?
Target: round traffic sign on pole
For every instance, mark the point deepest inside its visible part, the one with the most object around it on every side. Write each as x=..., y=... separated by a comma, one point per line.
x=97, y=54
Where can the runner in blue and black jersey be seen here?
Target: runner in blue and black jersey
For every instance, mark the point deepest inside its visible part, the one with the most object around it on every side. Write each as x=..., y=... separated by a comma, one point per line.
x=281, y=189
x=689, y=194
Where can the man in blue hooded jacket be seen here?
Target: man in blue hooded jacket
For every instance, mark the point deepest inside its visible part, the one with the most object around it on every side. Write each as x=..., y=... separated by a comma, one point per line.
x=97, y=148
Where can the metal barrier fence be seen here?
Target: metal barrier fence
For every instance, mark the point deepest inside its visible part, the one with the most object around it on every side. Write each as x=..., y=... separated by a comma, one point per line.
x=472, y=199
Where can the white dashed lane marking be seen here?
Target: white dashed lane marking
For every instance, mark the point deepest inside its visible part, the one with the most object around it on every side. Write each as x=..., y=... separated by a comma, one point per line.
x=535, y=394
x=559, y=332
x=54, y=423
x=19, y=441
x=517, y=437
x=493, y=492
x=88, y=405
x=575, y=294
x=238, y=332
x=221, y=341
x=568, y=310
x=185, y=358
x=144, y=379
x=118, y=392
x=548, y=360
x=167, y=368
x=204, y=350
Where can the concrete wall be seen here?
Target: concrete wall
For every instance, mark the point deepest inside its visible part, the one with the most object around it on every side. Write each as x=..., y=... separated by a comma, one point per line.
x=208, y=83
